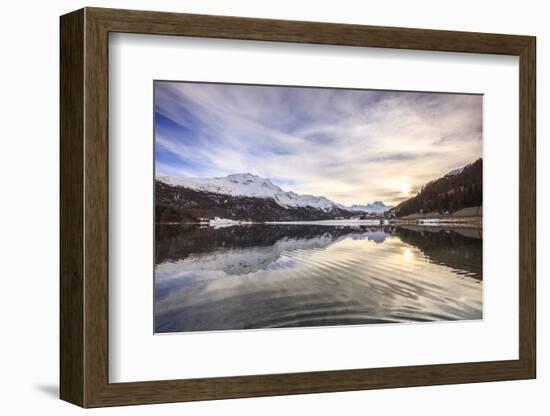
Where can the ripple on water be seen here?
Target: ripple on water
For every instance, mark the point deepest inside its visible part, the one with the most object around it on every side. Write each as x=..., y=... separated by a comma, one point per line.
x=309, y=279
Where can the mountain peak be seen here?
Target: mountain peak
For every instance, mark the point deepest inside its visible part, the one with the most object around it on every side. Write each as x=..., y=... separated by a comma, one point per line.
x=250, y=185
x=246, y=175
x=245, y=179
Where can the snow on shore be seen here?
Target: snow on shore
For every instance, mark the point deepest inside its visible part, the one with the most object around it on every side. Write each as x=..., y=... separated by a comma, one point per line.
x=218, y=222
x=331, y=222
x=225, y=222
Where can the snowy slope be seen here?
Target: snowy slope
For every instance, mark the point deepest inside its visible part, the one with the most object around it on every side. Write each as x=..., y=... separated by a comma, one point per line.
x=247, y=184
x=377, y=207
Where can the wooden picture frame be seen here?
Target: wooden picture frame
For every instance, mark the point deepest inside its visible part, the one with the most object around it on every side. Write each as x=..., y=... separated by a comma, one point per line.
x=84, y=207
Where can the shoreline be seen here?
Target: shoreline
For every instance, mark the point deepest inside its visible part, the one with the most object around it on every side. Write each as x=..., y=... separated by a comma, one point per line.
x=473, y=222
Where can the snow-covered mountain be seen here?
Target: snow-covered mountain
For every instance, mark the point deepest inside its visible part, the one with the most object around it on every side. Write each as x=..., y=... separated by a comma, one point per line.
x=244, y=196
x=249, y=185
x=377, y=207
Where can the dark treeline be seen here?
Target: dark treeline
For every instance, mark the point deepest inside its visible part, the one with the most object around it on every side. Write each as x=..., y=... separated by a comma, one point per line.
x=447, y=247
x=447, y=194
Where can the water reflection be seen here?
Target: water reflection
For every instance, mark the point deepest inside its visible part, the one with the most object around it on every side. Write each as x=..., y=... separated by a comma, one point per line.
x=262, y=276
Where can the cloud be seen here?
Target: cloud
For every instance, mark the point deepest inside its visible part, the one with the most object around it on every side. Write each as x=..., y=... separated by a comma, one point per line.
x=352, y=146
x=401, y=156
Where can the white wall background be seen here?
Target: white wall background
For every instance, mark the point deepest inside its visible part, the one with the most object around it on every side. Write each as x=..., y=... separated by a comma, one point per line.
x=29, y=159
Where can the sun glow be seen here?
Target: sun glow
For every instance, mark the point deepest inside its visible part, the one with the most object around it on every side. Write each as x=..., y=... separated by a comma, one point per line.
x=405, y=187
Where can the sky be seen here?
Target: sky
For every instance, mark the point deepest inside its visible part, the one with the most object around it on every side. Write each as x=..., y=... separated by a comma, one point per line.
x=351, y=146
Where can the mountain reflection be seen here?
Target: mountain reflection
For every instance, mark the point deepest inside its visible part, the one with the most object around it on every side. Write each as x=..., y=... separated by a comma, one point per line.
x=265, y=276
x=458, y=248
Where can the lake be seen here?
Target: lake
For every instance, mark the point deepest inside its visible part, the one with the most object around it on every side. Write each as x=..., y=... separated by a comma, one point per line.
x=276, y=276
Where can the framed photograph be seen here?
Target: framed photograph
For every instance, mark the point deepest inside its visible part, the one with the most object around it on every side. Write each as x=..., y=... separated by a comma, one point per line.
x=255, y=207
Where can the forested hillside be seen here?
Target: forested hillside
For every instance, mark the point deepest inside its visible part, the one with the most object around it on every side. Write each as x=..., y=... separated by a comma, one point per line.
x=458, y=189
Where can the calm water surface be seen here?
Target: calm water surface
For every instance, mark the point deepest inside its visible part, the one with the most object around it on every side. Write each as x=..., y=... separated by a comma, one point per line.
x=267, y=276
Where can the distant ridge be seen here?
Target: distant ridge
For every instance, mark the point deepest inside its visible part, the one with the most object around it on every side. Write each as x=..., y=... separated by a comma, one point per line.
x=377, y=207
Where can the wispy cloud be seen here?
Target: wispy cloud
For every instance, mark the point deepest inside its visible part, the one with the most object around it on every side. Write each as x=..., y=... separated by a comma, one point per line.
x=352, y=146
